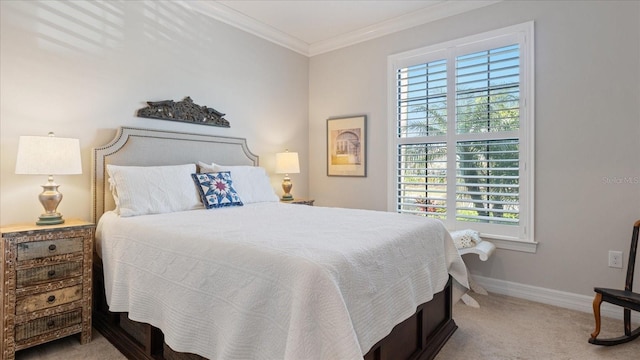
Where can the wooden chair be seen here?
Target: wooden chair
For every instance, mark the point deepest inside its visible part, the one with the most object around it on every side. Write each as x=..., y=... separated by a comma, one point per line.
x=626, y=298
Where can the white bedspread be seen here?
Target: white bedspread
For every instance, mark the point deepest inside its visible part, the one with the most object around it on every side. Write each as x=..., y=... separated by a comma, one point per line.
x=274, y=281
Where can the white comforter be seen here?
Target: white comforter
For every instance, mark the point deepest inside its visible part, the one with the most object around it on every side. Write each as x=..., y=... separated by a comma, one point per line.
x=274, y=281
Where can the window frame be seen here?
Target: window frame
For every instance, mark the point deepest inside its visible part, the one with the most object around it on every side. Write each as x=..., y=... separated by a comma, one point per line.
x=523, y=239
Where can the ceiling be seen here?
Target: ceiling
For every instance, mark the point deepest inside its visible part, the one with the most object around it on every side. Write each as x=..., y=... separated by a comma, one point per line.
x=312, y=27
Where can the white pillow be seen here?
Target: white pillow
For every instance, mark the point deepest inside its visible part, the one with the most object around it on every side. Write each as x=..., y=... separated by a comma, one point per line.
x=251, y=182
x=141, y=190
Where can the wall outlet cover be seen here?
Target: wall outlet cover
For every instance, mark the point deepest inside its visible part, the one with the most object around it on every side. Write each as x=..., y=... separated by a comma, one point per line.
x=615, y=259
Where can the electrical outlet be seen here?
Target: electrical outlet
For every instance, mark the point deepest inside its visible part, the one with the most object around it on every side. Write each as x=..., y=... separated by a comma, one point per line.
x=615, y=259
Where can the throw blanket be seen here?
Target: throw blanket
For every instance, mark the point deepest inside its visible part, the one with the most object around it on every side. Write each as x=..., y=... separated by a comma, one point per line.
x=274, y=281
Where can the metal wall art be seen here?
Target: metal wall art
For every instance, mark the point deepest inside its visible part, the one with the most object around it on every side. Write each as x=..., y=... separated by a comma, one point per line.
x=183, y=111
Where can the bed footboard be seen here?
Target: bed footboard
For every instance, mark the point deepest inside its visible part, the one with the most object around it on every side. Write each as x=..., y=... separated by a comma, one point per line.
x=420, y=337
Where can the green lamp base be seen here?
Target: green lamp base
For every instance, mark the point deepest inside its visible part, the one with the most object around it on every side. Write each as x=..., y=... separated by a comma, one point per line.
x=45, y=219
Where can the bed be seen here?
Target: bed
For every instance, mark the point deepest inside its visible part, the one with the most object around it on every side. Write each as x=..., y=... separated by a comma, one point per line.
x=240, y=282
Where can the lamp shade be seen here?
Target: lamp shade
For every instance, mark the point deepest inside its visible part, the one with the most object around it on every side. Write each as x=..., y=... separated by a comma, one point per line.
x=48, y=155
x=287, y=163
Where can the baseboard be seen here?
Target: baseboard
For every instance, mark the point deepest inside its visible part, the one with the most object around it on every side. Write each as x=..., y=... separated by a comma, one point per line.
x=551, y=297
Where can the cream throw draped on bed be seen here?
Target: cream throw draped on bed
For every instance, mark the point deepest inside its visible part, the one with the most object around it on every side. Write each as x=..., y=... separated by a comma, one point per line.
x=274, y=281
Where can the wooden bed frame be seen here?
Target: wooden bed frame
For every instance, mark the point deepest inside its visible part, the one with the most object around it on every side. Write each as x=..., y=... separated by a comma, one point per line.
x=420, y=337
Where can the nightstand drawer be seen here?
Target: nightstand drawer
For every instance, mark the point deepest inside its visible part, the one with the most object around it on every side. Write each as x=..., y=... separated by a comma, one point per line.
x=44, y=274
x=47, y=324
x=48, y=299
x=39, y=249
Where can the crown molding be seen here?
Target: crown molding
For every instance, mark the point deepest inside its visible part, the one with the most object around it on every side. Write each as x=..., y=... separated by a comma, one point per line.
x=236, y=19
x=435, y=12
x=248, y=24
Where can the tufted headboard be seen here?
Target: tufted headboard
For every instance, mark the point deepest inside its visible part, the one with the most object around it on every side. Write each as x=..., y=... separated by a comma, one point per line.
x=148, y=147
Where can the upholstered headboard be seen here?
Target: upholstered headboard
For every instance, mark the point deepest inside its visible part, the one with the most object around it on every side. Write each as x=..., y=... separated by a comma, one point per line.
x=147, y=147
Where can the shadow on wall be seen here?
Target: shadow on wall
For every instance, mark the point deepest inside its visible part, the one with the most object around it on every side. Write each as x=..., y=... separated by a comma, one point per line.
x=64, y=30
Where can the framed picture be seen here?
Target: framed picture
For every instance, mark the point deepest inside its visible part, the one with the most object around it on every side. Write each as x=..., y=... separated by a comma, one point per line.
x=347, y=146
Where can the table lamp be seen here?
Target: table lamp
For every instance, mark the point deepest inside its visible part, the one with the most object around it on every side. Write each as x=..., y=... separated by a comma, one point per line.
x=287, y=163
x=49, y=155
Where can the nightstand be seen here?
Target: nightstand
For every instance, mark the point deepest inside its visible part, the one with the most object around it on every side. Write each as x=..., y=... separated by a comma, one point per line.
x=300, y=201
x=45, y=284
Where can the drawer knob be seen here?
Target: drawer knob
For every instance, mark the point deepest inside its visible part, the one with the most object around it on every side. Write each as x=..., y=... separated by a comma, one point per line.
x=52, y=247
x=51, y=273
x=51, y=299
x=51, y=323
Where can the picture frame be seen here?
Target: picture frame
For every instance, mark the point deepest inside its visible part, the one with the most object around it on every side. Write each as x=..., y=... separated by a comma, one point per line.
x=347, y=146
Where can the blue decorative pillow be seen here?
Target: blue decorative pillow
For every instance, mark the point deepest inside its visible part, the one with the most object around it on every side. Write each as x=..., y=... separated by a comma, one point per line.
x=216, y=189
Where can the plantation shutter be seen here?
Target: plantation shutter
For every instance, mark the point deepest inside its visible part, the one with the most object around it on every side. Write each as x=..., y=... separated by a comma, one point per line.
x=421, y=151
x=487, y=112
x=422, y=179
x=487, y=181
x=462, y=133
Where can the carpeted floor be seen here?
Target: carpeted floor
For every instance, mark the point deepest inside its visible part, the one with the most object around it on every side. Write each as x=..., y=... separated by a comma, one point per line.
x=503, y=328
x=507, y=328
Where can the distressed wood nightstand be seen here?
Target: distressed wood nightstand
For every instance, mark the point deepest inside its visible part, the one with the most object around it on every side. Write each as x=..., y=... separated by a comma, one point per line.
x=300, y=201
x=45, y=284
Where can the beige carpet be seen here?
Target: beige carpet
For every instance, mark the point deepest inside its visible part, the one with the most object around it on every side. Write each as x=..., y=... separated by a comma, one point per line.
x=502, y=328
x=510, y=328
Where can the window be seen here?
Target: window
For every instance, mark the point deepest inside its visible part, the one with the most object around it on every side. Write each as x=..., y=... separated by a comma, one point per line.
x=462, y=133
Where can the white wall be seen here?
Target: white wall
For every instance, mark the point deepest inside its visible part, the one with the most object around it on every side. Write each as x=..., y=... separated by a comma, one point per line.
x=81, y=69
x=587, y=131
